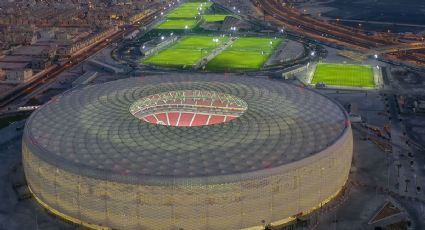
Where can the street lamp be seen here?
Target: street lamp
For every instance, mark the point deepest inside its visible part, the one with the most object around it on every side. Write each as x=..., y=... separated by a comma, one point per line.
x=216, y=41
x=407, y=182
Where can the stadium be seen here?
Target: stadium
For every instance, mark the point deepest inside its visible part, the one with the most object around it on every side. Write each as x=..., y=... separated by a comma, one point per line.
x=186, y=152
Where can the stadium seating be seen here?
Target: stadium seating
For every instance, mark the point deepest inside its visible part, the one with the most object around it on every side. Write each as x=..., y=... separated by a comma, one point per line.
x=193, y=109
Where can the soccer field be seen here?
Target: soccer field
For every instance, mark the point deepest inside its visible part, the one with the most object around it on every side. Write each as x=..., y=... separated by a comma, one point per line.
x=186, y=52
x=215, y=17
x=189, y=10
x=245, y=53
x=178, y=24
x=344, y=75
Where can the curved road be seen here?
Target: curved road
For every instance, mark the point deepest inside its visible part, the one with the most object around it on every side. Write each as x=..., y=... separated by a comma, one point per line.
x=317, y=29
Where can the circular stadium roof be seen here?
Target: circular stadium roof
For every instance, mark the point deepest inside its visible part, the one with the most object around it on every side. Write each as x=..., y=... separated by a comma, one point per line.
x=92, y=131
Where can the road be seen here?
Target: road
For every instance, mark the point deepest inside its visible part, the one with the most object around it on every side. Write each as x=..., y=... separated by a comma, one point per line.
x=378, y=22
x=334, y=33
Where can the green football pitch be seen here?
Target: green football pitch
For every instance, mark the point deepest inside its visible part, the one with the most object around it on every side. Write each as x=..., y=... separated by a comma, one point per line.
x=189, y=10
x=214, y=17
x=344, y=75
x=178, y=24
x=245, y=53
x=186, y=52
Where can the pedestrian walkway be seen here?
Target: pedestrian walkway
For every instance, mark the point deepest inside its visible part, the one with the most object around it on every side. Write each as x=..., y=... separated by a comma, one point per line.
x=201, y=63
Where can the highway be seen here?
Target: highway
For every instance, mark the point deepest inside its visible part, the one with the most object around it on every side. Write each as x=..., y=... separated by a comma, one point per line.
x=8, y=101
x=291, y=18
x=378, y=22
x=351, y=38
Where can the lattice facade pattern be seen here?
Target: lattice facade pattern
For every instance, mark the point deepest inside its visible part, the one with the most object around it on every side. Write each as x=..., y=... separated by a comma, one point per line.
x=289, y=190
x=82, y=186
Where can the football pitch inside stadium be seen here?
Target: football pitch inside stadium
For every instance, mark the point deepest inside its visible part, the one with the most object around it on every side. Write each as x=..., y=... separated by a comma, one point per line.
x=344, y=75
x=186, y=52
x=245, y=53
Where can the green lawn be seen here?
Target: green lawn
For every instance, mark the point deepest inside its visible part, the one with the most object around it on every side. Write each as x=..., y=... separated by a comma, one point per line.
x=186, y=52
x=189, y=10
x=344, y=75
x=245, y=53
x=178, y=24
x=215, y=17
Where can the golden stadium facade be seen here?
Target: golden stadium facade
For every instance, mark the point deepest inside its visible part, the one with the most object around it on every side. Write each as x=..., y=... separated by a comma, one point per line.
x=186, y=152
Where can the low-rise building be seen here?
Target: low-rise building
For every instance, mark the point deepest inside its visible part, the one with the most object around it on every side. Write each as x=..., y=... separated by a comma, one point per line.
x=72, y=48
x=40, y=63
x=18, y=35
x=16, y=72
x=18, y=76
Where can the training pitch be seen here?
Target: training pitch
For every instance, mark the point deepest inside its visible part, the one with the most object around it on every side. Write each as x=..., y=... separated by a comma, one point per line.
x=186, y=52
x=245, y=53
x=214, y=17
x=344, y=75
x=178, y=24
x=189, y=10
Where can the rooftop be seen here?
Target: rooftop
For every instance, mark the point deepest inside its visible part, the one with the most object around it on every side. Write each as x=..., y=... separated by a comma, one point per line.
x=92, y=130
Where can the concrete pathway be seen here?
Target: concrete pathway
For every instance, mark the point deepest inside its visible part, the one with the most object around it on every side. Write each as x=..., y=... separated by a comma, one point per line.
x=214, y=53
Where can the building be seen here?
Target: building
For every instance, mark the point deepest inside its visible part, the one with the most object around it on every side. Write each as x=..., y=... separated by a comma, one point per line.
x=69, y=48
x=16, y=72
x=18, y=34
x=137, y=17
x=187, y=152
x=18, y=76
x=40, y=64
